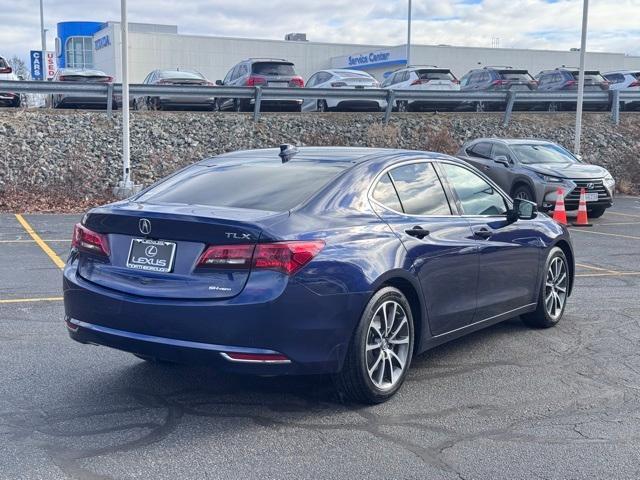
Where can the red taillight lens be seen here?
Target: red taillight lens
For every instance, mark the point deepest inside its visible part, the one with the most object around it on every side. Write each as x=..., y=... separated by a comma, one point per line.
x=296, y=82
x=571, y=84
x=108, y=80
x=455, y=81
x=236, y=257
x=420, y=81
x=499, y=83
x=286, y=257
x=89, y=241
x=634, y=84
x=256, y=81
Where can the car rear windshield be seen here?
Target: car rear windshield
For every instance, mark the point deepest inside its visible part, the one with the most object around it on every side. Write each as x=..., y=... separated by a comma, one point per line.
x=84, y=78
x=435, y=75
x=281, y=69
x=536, y=153
x=181, y=75
x=3, y=64
x=268, y=186
x=590, y=78
x=516, y=75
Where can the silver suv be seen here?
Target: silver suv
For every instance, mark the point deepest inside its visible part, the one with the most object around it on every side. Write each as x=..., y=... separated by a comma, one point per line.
x=535, y=169
x=261, y=72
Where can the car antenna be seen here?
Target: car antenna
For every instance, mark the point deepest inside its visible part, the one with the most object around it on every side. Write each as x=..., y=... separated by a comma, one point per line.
x=287, y=151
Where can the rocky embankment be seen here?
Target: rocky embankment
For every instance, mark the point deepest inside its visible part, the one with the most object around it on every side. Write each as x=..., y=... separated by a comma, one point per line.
x=68, y=160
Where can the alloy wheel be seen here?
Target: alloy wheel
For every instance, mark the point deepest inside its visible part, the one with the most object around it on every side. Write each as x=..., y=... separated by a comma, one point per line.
x=387, y=346
x=555, y=291
x=522, y=195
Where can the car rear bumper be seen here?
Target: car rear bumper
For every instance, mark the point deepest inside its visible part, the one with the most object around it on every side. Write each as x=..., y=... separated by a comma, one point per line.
x=356, y=104
x=188, y=101
x=312, y=331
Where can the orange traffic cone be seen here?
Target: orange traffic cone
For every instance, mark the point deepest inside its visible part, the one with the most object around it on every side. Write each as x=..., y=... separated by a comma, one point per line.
x=582, y=220
x=559, y=213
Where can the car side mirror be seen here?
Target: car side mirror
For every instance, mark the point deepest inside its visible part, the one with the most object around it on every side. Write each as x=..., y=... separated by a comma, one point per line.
x=501, y=159
x=219, y=82
x=522, y=210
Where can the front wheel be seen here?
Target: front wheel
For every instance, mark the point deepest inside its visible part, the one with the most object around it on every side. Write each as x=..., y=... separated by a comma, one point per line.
x=523, y=192
x=553, y=293
x=380, y=351
x=322, y=106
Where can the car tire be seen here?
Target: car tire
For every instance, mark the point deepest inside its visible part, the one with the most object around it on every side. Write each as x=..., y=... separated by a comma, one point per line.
x=379, y=354
x=237, y=105
x=556, y=278
x=322, y=106
x=154, y=104
x=596, y=212
x=402, y=105
x=214, y=106
x=16, y=102
x=523, y=192
x=480, y=107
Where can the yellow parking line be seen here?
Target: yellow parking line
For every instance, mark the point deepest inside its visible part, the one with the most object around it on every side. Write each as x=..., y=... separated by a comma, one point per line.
x=25, y=300
x=607, y=274
x=603, y=233
x=592, y=267
x=52, y=255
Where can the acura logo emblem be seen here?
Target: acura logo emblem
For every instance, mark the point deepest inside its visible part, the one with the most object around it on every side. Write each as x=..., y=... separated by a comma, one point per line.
x=145, y=226
x=590, y=186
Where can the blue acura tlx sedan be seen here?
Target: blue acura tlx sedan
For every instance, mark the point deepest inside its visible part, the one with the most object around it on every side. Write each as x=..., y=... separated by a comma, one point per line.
x=347, y=261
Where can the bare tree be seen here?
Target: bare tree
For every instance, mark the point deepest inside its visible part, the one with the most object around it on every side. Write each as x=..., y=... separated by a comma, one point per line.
x=19, y=67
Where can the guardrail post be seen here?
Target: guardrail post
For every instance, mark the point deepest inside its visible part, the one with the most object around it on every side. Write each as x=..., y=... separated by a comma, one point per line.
x=258, y=99
x=110, y=100
x=391, y=96
x=511, y=99
x=614, y=96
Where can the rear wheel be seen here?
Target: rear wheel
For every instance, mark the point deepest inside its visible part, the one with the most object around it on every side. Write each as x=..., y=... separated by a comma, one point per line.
x=402, y=105
x=16, y=101
x=380, y=351
x=553, y=292
x=154, y=103
x=596, y=212
x=322, y=106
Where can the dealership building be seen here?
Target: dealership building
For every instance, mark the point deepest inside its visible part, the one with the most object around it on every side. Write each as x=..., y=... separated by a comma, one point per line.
x=97, y=45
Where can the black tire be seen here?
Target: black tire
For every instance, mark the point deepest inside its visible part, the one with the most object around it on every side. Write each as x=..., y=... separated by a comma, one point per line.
x=353, y=381
x=16, y=102
x=154, y=104
x=322, y=106
x=524, y=192
x=237, y=105
x=480, y=107
x=596, y=212
x=214, y=106
x=541, y=317
x=402, y=105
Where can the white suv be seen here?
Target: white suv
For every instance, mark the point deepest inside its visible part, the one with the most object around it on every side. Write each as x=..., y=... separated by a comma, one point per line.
x=627, y=80
x=428, y=77
x=6, y=73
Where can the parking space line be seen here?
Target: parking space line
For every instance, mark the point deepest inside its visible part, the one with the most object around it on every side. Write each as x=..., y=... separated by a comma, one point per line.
x=632, y=237
x=623, y=214
x=616, y=223
x=26, y=300
x=41, y=243
x=593, y=267
x=25, y=240
x=607, y=274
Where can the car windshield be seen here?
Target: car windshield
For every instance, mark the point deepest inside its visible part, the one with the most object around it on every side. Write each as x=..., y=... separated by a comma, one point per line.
x=177, y=74
x=267, y=186
x=542, y=153
x=590, y=78
x=273, y=68
x=3, y=64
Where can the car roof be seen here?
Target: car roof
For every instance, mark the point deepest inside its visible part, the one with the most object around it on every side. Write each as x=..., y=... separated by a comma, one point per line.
x=82, y=71
x=340, y=71
x=623, y=72
x=345, y=155
x=513, y=141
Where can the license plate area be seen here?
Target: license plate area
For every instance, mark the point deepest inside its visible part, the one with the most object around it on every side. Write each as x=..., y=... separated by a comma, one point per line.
x=151, y=255
x=591, y=197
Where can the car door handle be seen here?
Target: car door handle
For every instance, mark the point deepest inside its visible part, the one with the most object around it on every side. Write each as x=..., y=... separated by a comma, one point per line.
x=482, y=232
x=417, y=232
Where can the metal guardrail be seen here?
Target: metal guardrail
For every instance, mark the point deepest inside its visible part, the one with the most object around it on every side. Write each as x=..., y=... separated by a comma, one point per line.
x=510, y=98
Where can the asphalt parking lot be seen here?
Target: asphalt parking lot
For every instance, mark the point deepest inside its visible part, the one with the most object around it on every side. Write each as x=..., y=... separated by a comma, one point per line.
x=504, y=403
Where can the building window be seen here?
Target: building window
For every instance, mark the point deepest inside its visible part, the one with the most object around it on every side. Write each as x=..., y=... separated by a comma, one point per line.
x=79, y=52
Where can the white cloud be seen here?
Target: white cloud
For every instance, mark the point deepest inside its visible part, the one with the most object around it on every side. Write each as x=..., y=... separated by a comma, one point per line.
x=613, y=26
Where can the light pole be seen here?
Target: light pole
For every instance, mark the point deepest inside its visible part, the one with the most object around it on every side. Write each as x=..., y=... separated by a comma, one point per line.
x=583, y=48
x=43, y=34
x=126, y=187
x=409, y=34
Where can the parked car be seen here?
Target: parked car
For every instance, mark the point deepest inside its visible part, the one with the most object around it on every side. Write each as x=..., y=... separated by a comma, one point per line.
x=491, y=79
x=343, y=79
x=427, y=77
x=566, y=79
x=628, y=81
x=346, y=261
x=8, y=99
x=535, y=169
x=80, y=100
x=264, y=72
x=175, y=78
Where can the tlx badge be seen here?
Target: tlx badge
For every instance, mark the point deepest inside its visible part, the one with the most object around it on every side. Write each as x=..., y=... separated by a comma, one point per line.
x=238, y=236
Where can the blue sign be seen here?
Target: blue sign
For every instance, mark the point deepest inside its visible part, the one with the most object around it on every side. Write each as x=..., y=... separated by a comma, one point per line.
x=102, y=42
x=37, y=65
x=370, y=59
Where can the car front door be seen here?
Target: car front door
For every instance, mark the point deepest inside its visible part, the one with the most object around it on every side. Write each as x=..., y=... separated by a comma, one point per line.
x=509, y=252
x=411, y=200
x=499, y=172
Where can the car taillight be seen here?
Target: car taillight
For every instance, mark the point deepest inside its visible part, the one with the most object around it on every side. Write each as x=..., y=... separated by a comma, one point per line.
x=455, y=81
x=338, y=84
x=296, y=82
x=107, y=80
x=237, y=257
x=499, y=83
x=571, y=84
x=419, y=81
x=285, y=257
x=89, y=241
x=256, y=81
x=634, y=84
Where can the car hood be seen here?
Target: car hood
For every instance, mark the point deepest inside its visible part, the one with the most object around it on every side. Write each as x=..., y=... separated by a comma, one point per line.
x=568, y=170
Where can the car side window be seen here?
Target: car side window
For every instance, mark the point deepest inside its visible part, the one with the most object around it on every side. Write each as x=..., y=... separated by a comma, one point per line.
x=229, y=76
x=476, y=196
x=420, y=190
x=481, y=149
x=465, y=80
x=500, y=150
x=385, y=193
x=242, y=70
x=313, y=80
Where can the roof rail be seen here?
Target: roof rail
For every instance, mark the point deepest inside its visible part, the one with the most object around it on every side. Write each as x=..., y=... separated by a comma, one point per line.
x=268, y=58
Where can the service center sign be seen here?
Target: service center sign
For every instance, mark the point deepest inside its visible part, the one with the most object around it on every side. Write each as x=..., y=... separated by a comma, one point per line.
x=43, y=65
x=370, y=59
